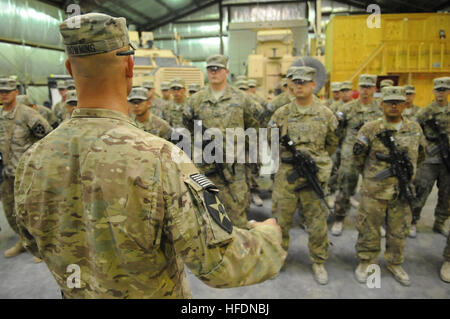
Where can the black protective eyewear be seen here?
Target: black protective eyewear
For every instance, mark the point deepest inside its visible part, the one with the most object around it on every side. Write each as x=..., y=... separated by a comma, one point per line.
x=213, y=68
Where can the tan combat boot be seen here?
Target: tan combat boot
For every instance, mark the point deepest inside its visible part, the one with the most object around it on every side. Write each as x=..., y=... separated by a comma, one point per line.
x=399, y=274
x=15, y=250
x=413, y=231
x=257, y=200
x=320, y=274
x=361, y=272
x=336, y=230
x=445, y=271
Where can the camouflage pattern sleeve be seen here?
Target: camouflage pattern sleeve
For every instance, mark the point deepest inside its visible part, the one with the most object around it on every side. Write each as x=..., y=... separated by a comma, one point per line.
x=362, y=147
x=332, y=139
x=251, y=110
x=38, y=126
x=220, y=257
x=422, y=147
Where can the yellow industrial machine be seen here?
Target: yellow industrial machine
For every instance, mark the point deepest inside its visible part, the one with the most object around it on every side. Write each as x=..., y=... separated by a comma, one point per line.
x=409, y=48
x=151, y=63
x=273, y=57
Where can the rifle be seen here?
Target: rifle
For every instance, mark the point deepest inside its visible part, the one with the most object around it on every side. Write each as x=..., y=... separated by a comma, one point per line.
x=442, y=141
x=400, y=166
x=304, y=166
x=358, y=127
x=218, y=168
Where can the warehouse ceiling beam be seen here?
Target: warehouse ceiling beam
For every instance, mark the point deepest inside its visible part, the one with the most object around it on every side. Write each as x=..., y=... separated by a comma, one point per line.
x=164, y=5
x=175, y=15
x=254, y=3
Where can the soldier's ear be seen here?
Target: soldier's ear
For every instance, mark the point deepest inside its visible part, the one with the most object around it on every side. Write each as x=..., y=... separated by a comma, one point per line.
x=69, y=67
x=130, y=66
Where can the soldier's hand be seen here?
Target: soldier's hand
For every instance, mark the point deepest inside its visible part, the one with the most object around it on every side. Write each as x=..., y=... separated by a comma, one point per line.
x=270, y=222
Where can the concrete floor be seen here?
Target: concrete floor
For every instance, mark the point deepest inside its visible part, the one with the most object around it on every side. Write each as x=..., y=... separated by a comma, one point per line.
x=21, y=278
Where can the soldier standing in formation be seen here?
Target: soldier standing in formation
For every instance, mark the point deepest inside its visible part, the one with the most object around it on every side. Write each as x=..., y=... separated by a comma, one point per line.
x=411, y=109
x=386, y=197
x=45, y=112
x=71, y=103
x=139, y=102
x=20, y=128
x=336, y=94
x=57, y=109
x=193, y=88
x=117, y=205
x=177, y=107
x=156, y=105
x=436, y=167
x=222, y=106
x=166, y=93
x=311, y=126
x=354, y=115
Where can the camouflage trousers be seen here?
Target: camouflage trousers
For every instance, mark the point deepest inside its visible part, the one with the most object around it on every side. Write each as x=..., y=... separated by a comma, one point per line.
x=7, y=189
x=347, y=182
x=426, y=175
x=447, y=249
x=284, y=204
x=371, y=214
x=235, y=196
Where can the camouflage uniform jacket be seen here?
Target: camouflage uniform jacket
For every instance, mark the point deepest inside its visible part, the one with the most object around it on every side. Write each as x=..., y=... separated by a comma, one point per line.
x=233, y=110
x=25, y=126
x=408, y=138
x=108, y=197
x=313, y=130
x=158, y=107
x=356, y=114
x=411, y=115
x=155, y=125
x=60, y=111
x=174, y=113
x=47, y=114
x=442, y=114
x=335, y=106
x=281, y=100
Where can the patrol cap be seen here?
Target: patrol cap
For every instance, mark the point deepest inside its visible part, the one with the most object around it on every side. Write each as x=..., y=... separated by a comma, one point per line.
x=304, y=73
x=252, y=83
x=165, y=85
x=23, y=99
x=386, y=82
x=443, y=82
x=94, y=33
x=335, y=86
x=410, y=89
x=291, y=71
x=138, y=93
x=8, y=84
x=194, y=87
x=148, y=85
x=241, y=77
x=394, y=93
x=346, y=85
x=242, y=84
x=61, y=85
x=367, y=80
x=177, y=83
x=70, y=84
x=217, y=60
x=71, y=96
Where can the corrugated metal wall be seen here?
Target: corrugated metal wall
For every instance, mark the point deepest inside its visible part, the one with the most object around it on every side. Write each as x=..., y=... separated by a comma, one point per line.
x=29, y=43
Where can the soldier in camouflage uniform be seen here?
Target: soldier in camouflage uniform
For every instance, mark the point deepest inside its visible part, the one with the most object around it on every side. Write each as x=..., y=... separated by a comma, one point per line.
x=20, y=127
x=58, y=108
x=193, y=88
x=285, y=97
x=434, y=169
x=157, y=106
x=166, y=93
x=143, y=118
x=223, y=106
x=411, y=108
x=112, y=201
x=45, y=112
x=336, y=92
x=381, y=198
x=177, y=107
x=311, y=126
x=71, y=103
x=383, y=84
x=354, y=115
